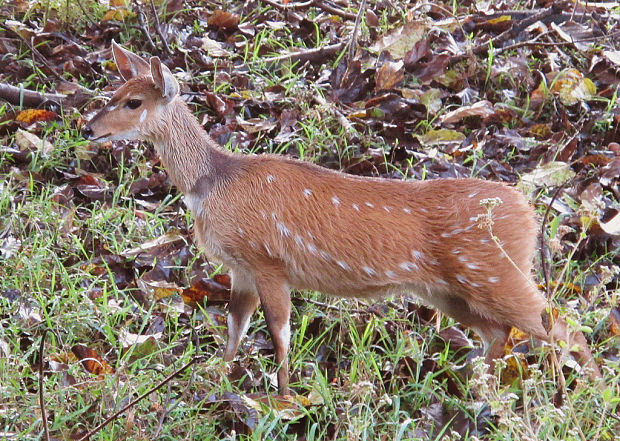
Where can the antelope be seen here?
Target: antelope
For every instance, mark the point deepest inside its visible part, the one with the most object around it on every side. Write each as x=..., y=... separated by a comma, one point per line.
x=280, y=224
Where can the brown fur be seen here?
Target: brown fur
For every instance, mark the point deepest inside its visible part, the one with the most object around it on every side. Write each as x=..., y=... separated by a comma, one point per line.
x=279, y=224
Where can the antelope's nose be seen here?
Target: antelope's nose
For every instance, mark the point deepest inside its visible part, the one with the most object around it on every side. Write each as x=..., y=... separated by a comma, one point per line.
x=87, y=132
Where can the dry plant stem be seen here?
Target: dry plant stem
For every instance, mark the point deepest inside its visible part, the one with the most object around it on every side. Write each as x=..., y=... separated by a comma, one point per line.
x=543, y=227
x=554, y=357
x=19, y=96
x=333, y=10
x=145, y=29
x=33, y=50
x=158, y=30
x=167, y=411
x=308, y=54
x=90, y=21
x=341, y=118
x=333, y=307
x=290, y=6
x=141, y=397
x=353, y=41
x=46, y=429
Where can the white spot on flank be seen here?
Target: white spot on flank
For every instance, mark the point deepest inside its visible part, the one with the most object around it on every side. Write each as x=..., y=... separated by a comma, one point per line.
x=462, y=258
x=270, y=178
x=369, y=204
x=111, y=108
x=299, y=240
x=406, y=210
x=473, y=218
x=461, y=279
x=325, y=255
x=442, y=282
x=310, y=235
x=386, y=208
x=307, y=192
x=408, y=266
x=475, y=285
x=445, y=234
x=368, y=270
x=493, y=279
x=473, y=266
x=418, y=255
x=335, y=201
x=274, y=216
x=356, y=207
x=284, y=231
x=240, y=230
x=484, y=241
x=456, y=251
x=311, y=248
x=390, y=274
x=424, y=210
x=343, y=265
x=252, y=244
x=434, y=262
x=472, y=194
x=268, y=250
x=143, y=115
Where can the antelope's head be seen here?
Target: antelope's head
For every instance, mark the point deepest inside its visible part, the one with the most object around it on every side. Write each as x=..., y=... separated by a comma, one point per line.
x=135, y=108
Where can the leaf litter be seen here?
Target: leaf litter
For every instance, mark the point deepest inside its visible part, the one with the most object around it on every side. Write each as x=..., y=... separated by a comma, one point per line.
x=484, y=91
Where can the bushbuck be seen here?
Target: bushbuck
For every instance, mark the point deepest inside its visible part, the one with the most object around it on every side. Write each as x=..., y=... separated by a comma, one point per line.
x=280, y=224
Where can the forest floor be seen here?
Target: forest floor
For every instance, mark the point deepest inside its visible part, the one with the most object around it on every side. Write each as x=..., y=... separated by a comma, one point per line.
x=96, y=252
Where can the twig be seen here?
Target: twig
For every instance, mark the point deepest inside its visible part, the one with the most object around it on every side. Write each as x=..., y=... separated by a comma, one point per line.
x=92, y=23
x=333, y=10
x=158, y=30
x=353, y=41
x=46, y=429
x=335, y=308
x=33, y=50
x=145, y=29
x=141, y=397
x=543, y=226
x=290, y=6
x=18, y=96
x=166, y=412
x=306, y=55
x=332, y=109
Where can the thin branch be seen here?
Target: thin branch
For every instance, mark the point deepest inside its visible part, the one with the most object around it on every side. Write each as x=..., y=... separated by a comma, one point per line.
x=333, y=10
x=290, y=6
x=35, y=52
x=46, y=429
x=145, y=29
x=543, y=226
x=353, y=41
x=141, y=397
x=307, y=54
x=158, y=30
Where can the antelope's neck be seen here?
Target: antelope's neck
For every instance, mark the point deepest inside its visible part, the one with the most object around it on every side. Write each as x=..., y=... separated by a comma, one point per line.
x=194, y=162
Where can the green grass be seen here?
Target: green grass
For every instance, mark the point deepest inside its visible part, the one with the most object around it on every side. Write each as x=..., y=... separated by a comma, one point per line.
x=366, y=376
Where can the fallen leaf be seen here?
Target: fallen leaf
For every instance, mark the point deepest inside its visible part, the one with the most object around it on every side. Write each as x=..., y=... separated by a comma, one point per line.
x=91, y=361
x=483, y=109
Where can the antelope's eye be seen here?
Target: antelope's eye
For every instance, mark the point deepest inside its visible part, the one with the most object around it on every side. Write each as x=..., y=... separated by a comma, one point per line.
x=134, y=104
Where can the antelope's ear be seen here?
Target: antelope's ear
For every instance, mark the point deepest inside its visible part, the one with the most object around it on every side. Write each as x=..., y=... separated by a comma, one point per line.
x=164, y=80
x=129, y=64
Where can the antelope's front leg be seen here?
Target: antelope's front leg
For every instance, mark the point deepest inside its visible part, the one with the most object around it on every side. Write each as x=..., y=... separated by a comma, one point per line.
x=276, y=303
x=243, y=302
